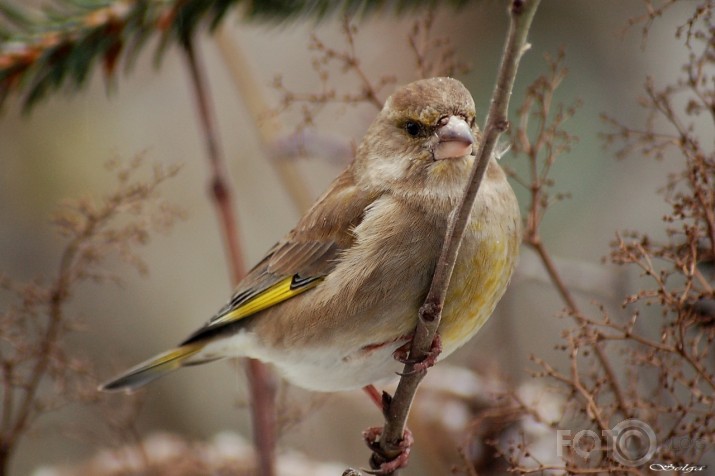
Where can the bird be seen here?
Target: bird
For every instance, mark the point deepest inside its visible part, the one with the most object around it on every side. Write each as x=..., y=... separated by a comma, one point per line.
x=334, y=303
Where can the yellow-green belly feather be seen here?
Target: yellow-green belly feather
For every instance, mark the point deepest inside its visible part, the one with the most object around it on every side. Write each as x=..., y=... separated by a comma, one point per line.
x=477, y=284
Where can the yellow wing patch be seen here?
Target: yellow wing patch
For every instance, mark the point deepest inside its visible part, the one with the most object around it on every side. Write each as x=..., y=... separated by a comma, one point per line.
x=279, y=292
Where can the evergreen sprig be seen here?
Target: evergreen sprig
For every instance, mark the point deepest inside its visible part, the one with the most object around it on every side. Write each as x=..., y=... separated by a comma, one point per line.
x=42, y=51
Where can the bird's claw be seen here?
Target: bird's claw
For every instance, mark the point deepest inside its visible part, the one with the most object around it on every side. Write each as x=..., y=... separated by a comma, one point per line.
x=378, y=461
x=419, y=365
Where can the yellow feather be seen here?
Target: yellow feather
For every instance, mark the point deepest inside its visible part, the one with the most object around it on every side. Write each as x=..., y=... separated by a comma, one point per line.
x=173, y=359
x=275, y=294
x=152, y=368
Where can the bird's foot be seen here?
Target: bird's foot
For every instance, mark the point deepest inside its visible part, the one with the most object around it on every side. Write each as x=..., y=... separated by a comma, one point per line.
x=379, y=462
x=403, y=352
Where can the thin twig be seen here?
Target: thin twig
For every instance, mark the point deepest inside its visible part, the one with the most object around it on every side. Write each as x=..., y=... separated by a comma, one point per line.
x=574, y=311
x=220, y=186
x=260, y=383
x=351, y=59
x=521, y=14
x=268, y=127
x=58, y=295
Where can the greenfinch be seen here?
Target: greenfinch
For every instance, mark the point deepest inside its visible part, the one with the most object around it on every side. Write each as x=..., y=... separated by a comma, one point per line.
x=333, y=302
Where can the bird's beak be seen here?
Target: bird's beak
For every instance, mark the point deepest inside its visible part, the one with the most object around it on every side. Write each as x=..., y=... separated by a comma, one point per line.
x=455, y=139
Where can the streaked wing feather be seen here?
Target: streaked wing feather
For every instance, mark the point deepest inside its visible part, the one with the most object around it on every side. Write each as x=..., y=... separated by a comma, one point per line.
x=299, y=262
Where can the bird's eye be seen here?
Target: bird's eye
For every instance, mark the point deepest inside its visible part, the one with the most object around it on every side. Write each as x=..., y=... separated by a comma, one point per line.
x=413, y=128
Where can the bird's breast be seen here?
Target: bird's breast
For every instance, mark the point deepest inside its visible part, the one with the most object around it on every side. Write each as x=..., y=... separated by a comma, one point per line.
x=484, y=266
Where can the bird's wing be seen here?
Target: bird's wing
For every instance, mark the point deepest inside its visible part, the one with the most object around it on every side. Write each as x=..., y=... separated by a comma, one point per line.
x=298, y=262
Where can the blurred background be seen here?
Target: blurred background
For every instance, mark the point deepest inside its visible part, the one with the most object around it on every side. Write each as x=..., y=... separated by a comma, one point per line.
x=58, y=149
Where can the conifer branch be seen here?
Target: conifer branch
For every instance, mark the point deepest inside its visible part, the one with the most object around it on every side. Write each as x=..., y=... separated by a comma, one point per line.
x=44, y=51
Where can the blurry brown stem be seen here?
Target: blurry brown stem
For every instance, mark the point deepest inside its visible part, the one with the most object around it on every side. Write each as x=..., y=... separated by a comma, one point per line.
x=692, y=361
x=533, y=239
x=538, y=204
x=261, y=387
x=591, y=405
x=58, y=294
x=220, y=187
x=352, y=60
x=269, y=128
x=521, y=13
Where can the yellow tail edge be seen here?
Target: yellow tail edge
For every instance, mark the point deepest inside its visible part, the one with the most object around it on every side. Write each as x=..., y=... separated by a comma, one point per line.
x=152, y=369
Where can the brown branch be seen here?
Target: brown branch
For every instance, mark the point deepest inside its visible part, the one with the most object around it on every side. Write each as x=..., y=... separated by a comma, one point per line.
x=691, y=360
x=268, y=127
x=563, y=290
x=591, y=405
x=260, y=383
x=33, y=331
x=541, y=92
x=220, y=186
x=351, y=61
x=434, y=56
x=324, y=60
x=521, y=13
x=58, y=294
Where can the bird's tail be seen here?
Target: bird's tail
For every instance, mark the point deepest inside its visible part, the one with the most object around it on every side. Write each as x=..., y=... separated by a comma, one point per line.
x=152, y=369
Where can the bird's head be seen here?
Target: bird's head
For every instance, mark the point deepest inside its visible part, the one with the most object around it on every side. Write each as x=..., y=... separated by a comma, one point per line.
x=422, y=143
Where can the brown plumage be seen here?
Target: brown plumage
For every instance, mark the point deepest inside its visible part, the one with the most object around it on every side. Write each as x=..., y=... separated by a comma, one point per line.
x=332, y=301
